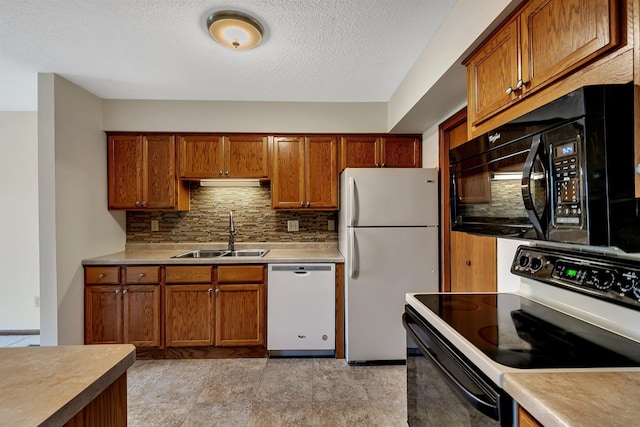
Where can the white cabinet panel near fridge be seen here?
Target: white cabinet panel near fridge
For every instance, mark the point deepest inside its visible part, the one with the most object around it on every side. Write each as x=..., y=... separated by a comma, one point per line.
x=389, y=197
x=382, y=264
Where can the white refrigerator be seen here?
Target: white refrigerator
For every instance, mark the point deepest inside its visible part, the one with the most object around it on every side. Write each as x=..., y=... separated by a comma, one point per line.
x=388, y=236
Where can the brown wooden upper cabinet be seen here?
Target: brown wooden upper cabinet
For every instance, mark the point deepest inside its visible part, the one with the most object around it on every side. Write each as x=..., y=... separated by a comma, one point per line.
x=142, y=173
x=373, y=151
x=542, y=41
x=304, y=172
x=215, y=156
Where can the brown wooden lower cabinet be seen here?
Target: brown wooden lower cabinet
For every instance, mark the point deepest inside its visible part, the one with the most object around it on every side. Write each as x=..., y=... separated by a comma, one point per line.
x=189, y=317
x=473, y=263
x=240, y=315
x=525, y=419
x=117, y=314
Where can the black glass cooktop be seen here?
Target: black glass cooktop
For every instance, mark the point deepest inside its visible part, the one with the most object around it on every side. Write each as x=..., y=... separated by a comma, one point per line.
x=517, y=332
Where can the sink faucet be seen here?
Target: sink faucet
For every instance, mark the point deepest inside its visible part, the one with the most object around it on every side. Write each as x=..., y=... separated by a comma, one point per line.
x=232, y=232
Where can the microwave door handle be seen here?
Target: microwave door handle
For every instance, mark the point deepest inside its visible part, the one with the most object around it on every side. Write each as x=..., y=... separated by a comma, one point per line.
x=536, y=151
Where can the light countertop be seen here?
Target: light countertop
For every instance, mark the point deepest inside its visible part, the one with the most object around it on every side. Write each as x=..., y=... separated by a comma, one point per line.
x=47, y=386
x=577, y=398
x=162, y=254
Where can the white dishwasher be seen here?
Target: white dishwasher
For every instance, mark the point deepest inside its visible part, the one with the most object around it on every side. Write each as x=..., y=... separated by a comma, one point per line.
x=301, y=310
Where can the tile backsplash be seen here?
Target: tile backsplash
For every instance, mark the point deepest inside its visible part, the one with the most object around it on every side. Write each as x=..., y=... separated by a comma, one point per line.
x=208, y=219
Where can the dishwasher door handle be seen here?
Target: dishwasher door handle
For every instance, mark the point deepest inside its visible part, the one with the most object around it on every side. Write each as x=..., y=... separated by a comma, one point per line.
x=302, y=273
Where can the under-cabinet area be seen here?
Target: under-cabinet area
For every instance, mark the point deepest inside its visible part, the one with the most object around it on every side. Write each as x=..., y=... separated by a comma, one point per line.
x=193, y=310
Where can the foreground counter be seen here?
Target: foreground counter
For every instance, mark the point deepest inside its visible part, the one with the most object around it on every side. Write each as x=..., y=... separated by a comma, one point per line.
x=64, y=385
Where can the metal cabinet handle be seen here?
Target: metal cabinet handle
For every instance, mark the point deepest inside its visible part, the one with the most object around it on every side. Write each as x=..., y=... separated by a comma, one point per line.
x=468, y=262
x=140, y=276
x=117, y=291
x=124, y=292
x=302, y=204
x=220, y=173
x=377, y=165
x=308, y=204
x=144, y=203
x=384, y=165
x=210, y=290
x=226, y=172
x=100, y=276
x=509, y=90
x=137, y=203
x=217, y=291
x=521, y=84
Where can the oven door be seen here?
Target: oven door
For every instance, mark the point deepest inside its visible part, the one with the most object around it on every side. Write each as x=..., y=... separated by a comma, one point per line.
x=444, y=387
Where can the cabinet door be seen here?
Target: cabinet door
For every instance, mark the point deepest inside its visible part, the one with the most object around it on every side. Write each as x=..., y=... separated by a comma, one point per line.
x=491, y=71
x=159, y=177
x=189, y=315
x=473, y=263
x=321, y=173
x=240, y=315
x=103, y=315
x=580, y=29
x=287, y=174
x=142, y=315
x=201, y=156
x=246, y=156
x=400, y=152
x=125, y=171
x=359, y=152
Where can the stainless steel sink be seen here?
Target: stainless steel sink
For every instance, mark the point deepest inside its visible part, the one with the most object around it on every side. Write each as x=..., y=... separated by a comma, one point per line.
x=206, y=253
x=202, y=253
x=247, y=252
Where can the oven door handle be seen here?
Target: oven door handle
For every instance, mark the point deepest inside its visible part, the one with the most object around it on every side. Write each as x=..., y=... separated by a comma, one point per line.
x=537, y=150
x=486, y=407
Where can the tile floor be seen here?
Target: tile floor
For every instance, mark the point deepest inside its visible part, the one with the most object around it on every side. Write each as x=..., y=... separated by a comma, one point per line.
x=19, y=340
x=265, y=392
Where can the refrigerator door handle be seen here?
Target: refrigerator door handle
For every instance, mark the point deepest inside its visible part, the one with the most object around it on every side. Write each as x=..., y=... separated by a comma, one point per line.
x=353, y=271
x=353, y=214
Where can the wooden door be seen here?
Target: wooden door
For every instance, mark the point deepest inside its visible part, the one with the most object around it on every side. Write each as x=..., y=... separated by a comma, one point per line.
x=473, y=263
x=560, y=35
x=400, y=152
x=453, y=132
x=189, y=315
x=359, y=152
x=321, y=173
x=240, y=315
x=491, y=71
x=201, y=156
x=246, y=156
x=125, y=171
x=287, y=173
x=159, y=177
x=103, y=315
x=142, y=315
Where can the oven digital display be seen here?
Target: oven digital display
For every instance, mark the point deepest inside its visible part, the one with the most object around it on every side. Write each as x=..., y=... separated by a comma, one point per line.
x=571, y=273
x=565, y=150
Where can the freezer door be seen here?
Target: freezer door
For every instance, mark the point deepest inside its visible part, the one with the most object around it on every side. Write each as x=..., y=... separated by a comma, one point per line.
x=389, y=197
x=381, y=266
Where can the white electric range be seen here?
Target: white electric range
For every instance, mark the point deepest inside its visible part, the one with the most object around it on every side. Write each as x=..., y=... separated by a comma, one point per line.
x=574, y=311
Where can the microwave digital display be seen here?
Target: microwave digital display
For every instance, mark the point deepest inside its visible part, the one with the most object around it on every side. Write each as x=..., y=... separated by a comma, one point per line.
x=565, y=150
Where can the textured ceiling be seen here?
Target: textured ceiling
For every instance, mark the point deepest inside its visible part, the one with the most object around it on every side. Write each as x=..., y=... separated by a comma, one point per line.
x=313, y=50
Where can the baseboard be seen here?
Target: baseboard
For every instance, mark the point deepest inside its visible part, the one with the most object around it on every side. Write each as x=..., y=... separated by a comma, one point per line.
x=21, y=332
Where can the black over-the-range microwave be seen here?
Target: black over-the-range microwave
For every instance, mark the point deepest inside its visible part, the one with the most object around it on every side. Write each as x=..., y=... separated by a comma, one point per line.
x=561, y=173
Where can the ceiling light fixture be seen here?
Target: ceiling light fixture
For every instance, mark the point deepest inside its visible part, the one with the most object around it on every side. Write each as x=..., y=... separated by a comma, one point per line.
x=235, y=30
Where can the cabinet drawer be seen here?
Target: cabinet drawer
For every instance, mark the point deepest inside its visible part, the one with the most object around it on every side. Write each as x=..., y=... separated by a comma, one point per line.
x=102, y=275
x=135, y=275
x=240, y=274
x=189, y=274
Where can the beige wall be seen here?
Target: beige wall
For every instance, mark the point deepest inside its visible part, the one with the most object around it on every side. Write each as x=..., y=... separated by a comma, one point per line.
x=75, y=222
x=215, y=116
x=19, y=221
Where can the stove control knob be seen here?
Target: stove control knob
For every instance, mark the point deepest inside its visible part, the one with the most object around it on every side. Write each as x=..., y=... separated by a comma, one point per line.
x=602, y=279
x=536, y=264
x=628, y=282
x=523, y=261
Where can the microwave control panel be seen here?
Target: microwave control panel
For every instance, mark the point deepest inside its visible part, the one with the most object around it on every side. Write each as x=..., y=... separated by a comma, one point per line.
x=567, y=198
